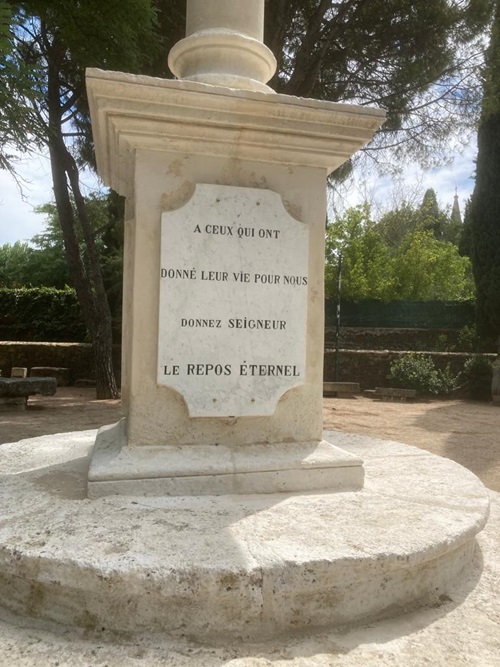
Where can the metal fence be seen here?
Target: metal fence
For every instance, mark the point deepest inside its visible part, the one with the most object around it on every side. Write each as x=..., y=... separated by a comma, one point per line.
x=401, y=314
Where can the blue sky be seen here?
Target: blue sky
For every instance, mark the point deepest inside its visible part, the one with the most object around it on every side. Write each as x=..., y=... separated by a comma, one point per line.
x=19, y=222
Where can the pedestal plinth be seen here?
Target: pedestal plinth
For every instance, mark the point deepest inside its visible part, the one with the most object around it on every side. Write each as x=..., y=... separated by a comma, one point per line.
x=223, y=285
x=235, y=566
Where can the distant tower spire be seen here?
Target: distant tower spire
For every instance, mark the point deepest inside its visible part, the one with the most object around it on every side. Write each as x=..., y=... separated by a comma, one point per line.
x=456, y=216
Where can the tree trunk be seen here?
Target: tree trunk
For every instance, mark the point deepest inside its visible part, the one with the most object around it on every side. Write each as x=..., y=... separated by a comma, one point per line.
x=86, y=276
x=88, y=283
x=495, y=380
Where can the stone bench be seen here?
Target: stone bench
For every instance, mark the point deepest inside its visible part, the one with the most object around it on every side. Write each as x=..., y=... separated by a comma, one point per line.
x=340, y=389
x=60, y=374
x=14, y=392
x=394, y=394
x=18, y=372
x=85, y=383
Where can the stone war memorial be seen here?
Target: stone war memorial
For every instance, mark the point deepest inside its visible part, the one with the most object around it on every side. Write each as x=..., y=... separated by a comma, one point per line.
x=223, y=316
x=217, y=509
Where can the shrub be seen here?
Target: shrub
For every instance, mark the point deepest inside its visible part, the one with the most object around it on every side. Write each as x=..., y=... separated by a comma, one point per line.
x=416, y=371
x=477, y=376
x=41, y=314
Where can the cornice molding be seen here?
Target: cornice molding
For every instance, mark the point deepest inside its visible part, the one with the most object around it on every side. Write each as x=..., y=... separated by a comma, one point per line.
x=131, y=112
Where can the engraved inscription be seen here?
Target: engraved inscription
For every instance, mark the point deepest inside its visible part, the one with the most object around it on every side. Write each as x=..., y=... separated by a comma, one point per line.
x=233, y=301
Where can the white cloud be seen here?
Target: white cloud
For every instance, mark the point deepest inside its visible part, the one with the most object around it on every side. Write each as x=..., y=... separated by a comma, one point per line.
x=18, y=220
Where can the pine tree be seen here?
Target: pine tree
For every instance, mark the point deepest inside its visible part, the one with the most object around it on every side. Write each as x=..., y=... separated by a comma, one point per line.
x=483, y=214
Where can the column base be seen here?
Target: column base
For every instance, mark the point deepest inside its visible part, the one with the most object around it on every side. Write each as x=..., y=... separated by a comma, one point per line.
x=198, y=470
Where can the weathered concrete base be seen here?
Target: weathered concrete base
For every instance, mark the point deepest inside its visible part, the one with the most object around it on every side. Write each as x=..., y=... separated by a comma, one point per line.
x=461, y=630
x=117, y=469
x=230, y=567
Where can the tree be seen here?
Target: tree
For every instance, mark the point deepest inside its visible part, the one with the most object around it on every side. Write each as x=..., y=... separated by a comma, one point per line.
x=418, y=267
x=60, y=38
x=16, y=129
x=430, y=206
x=418, y=60
x=366, y=260
x=396, y=225
x=13, y=262
x=21, y=265
x=427, y=269
x=105, y=216
x=483, y=213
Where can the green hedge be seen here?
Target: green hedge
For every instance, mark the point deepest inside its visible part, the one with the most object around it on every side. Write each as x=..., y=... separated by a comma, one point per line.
x=41, y=314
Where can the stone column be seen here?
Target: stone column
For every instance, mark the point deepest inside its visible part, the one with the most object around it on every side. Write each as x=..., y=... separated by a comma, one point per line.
x=224, y=267
x=223, y=45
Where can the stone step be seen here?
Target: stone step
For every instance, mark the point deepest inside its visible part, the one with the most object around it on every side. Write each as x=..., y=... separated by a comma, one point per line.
x=233, y=567
x=340, y=388
x=394, y=393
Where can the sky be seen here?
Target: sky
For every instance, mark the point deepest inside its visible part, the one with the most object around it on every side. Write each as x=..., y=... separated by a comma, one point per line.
x=19, y=222
x=18, y=219
x=386, y=192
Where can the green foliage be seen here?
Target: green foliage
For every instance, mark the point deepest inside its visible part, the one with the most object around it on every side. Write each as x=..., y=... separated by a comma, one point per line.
x=61, y=38
x=419, y=60
x=483, y=214
x=396, y=225
x=366, y=261
x=429, y=269
x=469, y=341
x=41, y=314
x=416, y=371
x=414, y=265
x=105, y=215
x=24, y=266
x=476, y=376
x=42, y=263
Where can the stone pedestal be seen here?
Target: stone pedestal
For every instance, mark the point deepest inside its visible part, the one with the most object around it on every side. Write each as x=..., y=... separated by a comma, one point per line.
x=219, y=182
x=235, y=567
x=223, y=269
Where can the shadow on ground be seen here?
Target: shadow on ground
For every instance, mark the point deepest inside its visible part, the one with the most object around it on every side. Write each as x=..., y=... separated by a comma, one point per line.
x=472, y=436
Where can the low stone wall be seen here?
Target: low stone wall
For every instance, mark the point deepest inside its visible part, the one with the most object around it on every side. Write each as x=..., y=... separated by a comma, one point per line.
x=368, y=367
x=77, y=357
x=371, y=368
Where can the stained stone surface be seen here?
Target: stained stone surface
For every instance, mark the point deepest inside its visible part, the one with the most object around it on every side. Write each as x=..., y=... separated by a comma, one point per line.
x=231, y=567
x=460, y=630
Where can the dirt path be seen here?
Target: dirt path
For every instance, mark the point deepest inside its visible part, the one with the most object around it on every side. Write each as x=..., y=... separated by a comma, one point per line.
x=464, y=431
x=71, y=409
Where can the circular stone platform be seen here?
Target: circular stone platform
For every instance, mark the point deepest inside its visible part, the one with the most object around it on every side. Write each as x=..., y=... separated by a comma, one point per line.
x=231, y=566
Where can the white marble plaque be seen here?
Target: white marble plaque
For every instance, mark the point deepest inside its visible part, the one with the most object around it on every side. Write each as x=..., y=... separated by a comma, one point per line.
x=233, y=301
